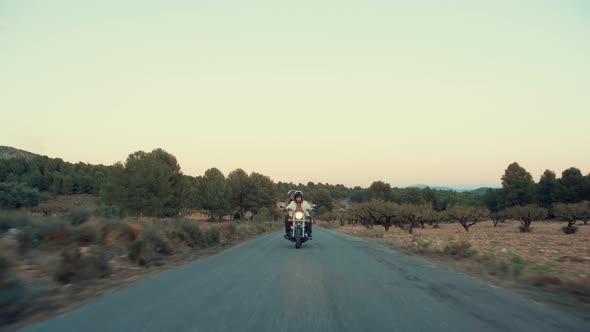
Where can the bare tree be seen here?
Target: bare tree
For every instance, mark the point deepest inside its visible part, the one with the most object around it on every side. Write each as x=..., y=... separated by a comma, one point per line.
x=526, y=215
x=572, y=213
x=468, y=216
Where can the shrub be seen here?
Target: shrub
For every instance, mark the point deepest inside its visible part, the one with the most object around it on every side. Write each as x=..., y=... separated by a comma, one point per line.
x=75, y=267
x=517, y=265
x=145, y=250
x=77, y=217
x=12, y=221
x=264, y=214
x=136, y=249
x=107, y=211
x=85, y=234
x=193, y=232
x=504, y=267
x=422, y=247
x=159, y=244
x=231, y=229
x=15, y=195
x=212, y=235
x=570, y=229
x=53, y=232
x=459, y=250
x=15, y=298
x=31, y=234
x=424, y=244
x=27, y=238
x=115, y=229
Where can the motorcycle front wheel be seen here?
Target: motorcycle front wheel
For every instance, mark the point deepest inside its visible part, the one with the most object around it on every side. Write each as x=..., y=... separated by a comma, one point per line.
x=298, y=236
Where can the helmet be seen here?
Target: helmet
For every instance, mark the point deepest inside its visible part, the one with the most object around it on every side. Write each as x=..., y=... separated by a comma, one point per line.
x=291, y=192
x=298, y=193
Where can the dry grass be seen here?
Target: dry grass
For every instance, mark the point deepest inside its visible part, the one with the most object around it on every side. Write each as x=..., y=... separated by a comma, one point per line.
x=569, y=255
x=545, y=259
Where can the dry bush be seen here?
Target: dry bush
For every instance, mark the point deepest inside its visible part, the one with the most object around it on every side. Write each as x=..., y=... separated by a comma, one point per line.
x=544, y=280
x=12, y=220
x=149, y=247
x=86, y=233
x=213, y=235
x=570, y=229
x=15, y=297
x=459, y=250
x=76, y=267
x=230, y=230
x=186, y=232
x=53, y=232
x=117, y=230
x=77, y=217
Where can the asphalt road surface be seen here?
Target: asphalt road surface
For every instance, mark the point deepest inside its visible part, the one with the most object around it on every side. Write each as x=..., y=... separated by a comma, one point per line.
x=334, y=283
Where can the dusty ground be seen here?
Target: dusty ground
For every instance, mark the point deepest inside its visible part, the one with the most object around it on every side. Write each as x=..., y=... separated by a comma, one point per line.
x=542, y=261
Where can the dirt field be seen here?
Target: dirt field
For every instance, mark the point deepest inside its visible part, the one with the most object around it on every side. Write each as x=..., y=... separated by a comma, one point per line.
x=542, y=261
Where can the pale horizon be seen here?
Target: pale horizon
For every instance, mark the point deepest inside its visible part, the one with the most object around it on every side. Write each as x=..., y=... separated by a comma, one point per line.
x=443, y=94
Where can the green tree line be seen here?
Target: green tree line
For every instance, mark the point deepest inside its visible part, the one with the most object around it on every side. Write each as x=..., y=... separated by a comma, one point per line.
x=152, y=184
x=54, y=175
x=519, y=188
x=440, y=200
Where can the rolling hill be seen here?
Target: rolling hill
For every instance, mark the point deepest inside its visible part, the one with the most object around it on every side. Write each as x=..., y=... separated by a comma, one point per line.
x=7, y=152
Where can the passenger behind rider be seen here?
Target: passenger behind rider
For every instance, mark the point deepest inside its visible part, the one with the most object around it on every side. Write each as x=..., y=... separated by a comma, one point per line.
x=299, y=204
x=291, y=195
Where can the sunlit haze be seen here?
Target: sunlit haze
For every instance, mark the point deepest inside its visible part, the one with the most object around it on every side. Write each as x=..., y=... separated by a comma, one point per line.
x=436, y=92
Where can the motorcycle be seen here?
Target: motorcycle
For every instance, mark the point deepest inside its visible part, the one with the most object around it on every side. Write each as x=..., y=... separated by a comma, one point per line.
x=298, y=234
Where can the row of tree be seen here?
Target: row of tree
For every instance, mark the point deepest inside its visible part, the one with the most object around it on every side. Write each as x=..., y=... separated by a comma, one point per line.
x=388, y=214
x=238, y=192
x=152, y=184
x=439, y=199
x=54, y=175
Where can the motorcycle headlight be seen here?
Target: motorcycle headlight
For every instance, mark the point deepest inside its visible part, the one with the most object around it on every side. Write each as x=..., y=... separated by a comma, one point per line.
x=299, y=215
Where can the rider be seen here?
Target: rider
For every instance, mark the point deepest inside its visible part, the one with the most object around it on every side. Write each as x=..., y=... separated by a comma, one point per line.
x=300, y=205
x=291, y=195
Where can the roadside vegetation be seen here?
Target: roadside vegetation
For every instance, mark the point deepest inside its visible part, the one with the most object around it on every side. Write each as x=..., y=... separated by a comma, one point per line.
x=47, y=262
x=524, y=233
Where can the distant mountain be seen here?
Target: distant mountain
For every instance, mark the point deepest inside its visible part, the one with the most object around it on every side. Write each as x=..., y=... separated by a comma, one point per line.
x=480, y=190
x=422, y=186
x=7, y=152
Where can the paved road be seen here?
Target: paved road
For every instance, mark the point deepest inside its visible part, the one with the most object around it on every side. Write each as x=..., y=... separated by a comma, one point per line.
x=334, y=283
